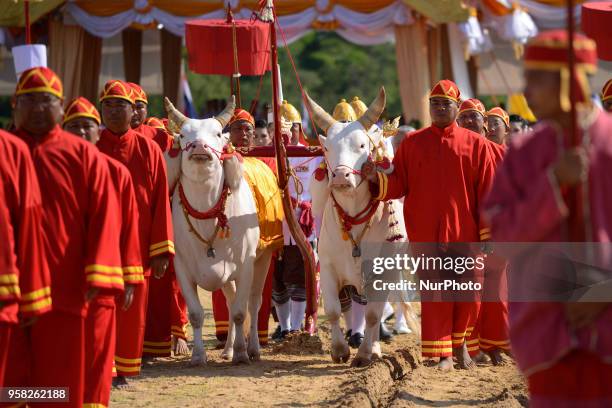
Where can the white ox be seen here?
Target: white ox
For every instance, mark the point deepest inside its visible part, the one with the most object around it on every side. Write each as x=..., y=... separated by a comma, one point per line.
x=347, y=146
x=237, y=266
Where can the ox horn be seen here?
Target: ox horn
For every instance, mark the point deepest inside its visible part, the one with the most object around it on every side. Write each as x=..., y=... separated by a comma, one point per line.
x=323, y=119
x=374, y=111
x=225, y=116
x=174, y=115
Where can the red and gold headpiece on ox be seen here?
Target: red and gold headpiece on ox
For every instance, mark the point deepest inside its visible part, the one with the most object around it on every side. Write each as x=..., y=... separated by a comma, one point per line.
x=80, y=108
x=445, y=89
x=548, y=52
x=606, y=92
x=499, y=112
x=116, y=89
x=241, y=114
x=139, y=93
x=472, y=104
x=39, y=79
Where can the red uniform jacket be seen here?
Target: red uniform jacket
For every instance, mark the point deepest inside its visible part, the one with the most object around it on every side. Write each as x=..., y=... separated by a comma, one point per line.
x=159, y=136
x=444, y=175
x=146, y=164
x=131, y=257
x=79, y=218
x=25, y=283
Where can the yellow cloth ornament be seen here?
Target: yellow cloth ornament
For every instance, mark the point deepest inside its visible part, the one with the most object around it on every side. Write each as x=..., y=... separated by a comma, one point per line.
x=267, y=196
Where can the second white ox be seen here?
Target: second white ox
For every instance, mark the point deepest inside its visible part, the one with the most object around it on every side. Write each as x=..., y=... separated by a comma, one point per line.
x=343, y=192
x=200, y=179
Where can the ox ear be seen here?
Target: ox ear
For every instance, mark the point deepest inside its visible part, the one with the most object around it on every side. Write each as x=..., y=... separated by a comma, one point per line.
x=173, y=165
x=232, y=171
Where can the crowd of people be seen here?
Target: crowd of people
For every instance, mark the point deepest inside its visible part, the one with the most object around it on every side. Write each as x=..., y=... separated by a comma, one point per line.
x=87, y=286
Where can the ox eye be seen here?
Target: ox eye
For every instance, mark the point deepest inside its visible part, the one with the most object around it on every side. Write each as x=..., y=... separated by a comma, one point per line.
x=363, y=145
x=219, y=135
x=326, y=149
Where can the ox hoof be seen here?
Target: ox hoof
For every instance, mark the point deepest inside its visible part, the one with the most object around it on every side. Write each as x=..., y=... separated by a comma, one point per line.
x=360, y=361
x=376, y=350
x=227, y=355
x=254, y=355
x=197, y=360
x=241, y=358
x=340, y=353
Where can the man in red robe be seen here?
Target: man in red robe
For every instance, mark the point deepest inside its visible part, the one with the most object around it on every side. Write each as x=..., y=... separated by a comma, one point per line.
x=159, y=135
x=443, y=172
x=564, y=349
x=25, y=284
x=81, y=233
x=179, y=307
x=82, y=119
x=147, y=167
x=490, y=334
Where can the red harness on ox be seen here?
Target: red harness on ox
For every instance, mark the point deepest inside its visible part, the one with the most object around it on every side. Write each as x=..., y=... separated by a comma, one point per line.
x=217, y=211
x=348, y=221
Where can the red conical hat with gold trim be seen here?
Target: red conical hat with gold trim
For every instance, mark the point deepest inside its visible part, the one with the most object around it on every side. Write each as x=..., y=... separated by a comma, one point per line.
x=472, y=104
x=81, y=108
x=499, y=112
x=139, y=93
x=445, y=89
x=39, y=79
x=116, y=89
x=548, y=52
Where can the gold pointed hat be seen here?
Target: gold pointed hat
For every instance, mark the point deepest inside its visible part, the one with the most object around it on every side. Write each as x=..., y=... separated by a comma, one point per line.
x=343, y=112
x=289, y=112
x=358, y=106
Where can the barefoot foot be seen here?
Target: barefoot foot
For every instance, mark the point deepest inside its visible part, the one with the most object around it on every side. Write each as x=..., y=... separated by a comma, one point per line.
x=463, y=357
x=445, y=364
x=496, y=357
x=180, y=347
x=120, y=382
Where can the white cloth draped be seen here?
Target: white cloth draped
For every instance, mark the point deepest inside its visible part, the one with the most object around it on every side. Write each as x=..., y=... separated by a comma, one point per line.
x=359, y=28
x=476, y=39
x=460, y=70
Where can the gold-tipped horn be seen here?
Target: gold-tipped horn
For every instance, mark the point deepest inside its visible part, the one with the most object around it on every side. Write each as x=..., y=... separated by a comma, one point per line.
x=323, y=119
x=175, y=118
x=374, y=111
x=225, y=116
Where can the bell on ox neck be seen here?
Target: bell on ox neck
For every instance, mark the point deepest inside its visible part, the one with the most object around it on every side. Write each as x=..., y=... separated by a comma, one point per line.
x=211, y=252
x=356, y=251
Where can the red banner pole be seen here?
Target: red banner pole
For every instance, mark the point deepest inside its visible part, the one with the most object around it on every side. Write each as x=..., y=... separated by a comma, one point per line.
x=26, y=6
x=296, y=231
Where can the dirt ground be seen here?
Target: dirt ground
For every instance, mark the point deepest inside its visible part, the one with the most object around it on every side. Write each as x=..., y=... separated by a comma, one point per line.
x=297, y=374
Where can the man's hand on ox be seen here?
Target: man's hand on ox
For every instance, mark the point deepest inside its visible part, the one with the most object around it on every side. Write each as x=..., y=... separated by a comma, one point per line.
x=368, y=171
x=159, y=264
x=128, y=296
